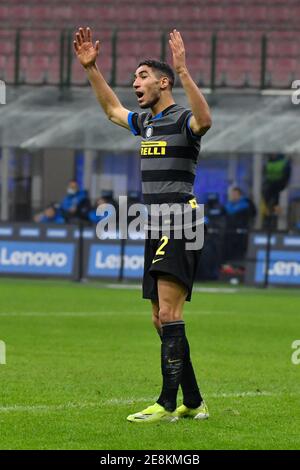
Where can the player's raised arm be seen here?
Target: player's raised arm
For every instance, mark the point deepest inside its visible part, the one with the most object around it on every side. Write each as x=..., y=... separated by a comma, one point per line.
x=200, y=122
x=87, y=53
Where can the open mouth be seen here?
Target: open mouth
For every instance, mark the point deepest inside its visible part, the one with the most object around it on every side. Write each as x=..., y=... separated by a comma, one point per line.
x=139, y=95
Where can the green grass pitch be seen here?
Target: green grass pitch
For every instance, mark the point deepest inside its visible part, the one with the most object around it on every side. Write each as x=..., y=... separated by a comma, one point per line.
x=81, y=357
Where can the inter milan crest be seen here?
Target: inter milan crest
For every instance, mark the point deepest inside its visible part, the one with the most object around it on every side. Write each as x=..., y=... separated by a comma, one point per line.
x=149, y=132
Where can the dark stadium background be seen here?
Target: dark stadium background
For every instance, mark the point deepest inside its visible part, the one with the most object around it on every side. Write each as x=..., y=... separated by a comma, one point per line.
x=77, y=357
x=243, y=54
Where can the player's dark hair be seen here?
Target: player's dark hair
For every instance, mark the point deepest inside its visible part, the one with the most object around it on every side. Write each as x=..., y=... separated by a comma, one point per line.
x=162, y=67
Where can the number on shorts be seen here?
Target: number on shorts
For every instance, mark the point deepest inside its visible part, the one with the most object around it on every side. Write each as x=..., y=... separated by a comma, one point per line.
x=164, y=241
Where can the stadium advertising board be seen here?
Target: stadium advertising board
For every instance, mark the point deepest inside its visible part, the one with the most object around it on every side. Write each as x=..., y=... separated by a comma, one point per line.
x=108, y=259
x=284, y=265
x=41, y=251
x=48, y=251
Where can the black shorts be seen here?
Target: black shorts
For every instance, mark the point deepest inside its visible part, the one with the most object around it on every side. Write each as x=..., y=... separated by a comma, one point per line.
x=169, y=256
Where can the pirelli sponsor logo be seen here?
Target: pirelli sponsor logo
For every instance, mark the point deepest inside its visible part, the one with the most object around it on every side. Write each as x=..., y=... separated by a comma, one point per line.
x=153, y=148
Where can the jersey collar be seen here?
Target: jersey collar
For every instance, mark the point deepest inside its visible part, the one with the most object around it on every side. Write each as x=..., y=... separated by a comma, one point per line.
x=162, y=113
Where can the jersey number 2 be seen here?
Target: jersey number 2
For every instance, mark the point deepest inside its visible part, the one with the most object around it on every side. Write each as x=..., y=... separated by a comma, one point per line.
x=164, y=241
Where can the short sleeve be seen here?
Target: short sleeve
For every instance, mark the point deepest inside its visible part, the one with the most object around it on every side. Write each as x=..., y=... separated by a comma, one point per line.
x=133, y=122
x=186, y=128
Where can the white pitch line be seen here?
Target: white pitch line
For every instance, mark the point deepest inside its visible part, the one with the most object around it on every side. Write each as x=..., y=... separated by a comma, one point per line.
x=99, y=314
x=124, y=286
x=242, y=394
x=123, y=402
x=55, y=314
x=71, y=406
x=206, y=290
x=216, y=290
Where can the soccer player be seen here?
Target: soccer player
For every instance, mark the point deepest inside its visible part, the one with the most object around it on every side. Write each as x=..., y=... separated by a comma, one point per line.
x=169, y=151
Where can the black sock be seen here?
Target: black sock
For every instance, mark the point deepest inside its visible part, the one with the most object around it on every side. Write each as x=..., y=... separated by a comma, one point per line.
x=191, y=394
x=172, y=359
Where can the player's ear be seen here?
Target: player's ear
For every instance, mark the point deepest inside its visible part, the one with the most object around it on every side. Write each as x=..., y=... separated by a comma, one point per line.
x=164, y=83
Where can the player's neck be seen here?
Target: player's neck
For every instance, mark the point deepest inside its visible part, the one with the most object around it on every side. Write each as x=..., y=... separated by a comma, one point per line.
x=162, y=104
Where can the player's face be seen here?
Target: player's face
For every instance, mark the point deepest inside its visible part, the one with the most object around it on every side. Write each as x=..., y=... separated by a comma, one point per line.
x=147, y=86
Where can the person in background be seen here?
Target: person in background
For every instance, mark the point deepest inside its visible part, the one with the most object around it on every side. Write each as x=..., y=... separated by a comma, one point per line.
x=212, y=252
x=297, y=226
x=76, y=204
x=240, y=212
x=106, y=203
x=51, y=214
x=214, y=211
x=276, y=176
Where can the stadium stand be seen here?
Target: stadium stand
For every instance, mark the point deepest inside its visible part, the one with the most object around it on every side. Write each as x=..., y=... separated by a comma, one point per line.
x=239, y=26
x=191, y=13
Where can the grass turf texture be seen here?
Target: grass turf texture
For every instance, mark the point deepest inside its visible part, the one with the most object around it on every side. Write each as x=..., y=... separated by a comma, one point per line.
x=80, y=358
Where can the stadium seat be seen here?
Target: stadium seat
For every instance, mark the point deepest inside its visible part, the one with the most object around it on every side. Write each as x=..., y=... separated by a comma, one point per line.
x=103, y=16
x=282, y=71
x=200, y=70
x=7, y=68
x=125, y=70
x=139, y=44
x=257, y=14
x=278, y=14
x=79, y=76
x=39, y=15
x=35, y=69
x=7, y=40
x=148, y=11
x=238, y=59
x=239, y=25
x=21, y=11
x=213, y=14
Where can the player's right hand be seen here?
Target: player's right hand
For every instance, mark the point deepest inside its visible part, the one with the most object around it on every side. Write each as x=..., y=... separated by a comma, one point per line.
x=84, y=49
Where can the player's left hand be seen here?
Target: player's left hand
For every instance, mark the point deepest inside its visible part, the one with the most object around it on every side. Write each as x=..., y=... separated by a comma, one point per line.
x=178, y=51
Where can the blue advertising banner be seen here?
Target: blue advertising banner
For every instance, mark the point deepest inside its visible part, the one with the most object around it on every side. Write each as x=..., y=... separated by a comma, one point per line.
x=284, y=265
x=39, y=250
x=104, y=260
x=36, y=258
x=134, y=261
x=68, y=251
